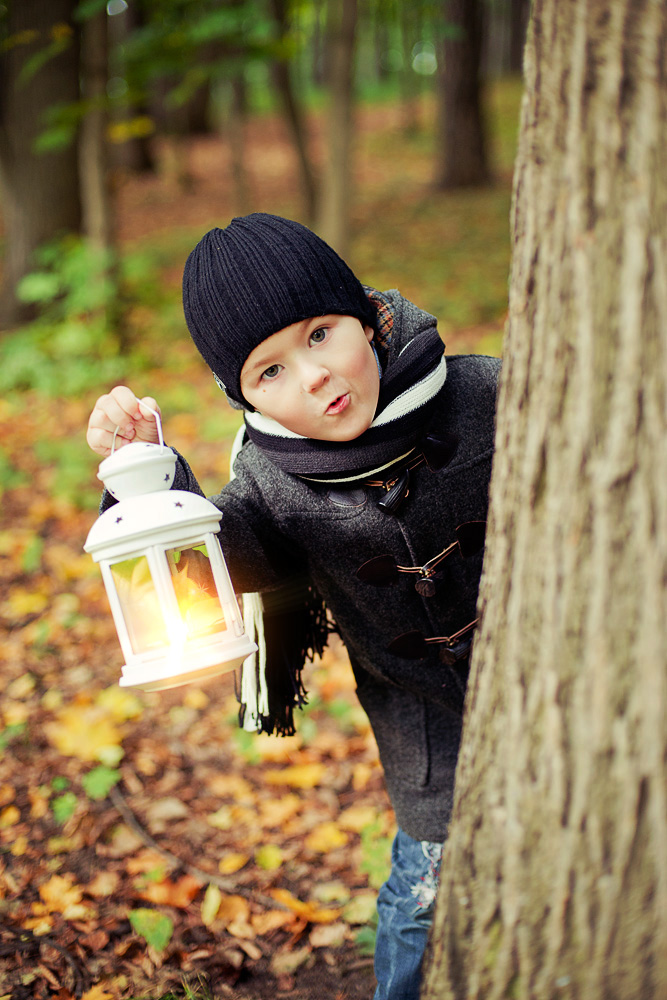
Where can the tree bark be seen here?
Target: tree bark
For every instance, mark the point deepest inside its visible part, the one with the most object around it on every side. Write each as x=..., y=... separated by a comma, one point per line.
x=40, y=191
x=334, y=208
x=461, y=154
x=294, y=115
x=98, y=222
x=554, y=876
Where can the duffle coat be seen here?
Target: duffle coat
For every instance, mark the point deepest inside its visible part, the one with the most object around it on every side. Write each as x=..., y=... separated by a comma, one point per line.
x=275, y=524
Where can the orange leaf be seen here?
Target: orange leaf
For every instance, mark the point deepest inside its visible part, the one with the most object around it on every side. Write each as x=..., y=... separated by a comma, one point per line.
x=180, y=893
x=309, y=911
x=60, y=892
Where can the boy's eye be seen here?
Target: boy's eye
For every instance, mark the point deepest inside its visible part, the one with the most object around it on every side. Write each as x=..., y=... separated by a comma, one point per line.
x=319, y=336
x=271, y=372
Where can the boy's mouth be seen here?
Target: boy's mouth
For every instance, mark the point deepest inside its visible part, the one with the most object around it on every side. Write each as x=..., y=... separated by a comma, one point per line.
x=339, y=404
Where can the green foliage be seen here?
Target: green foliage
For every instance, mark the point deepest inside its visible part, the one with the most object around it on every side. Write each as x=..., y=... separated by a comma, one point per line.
x=75, y=344
x=63, y=806
x=375, y=854
x=10, y=733
x=156, y=928
x=72, y=468
x=99, y=782
x=10, y=476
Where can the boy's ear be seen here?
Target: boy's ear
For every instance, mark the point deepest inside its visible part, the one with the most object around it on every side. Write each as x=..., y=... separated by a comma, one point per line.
x=370, y=333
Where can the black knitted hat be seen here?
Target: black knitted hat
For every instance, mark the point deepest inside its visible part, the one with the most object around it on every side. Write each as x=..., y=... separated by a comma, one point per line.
x=260, y=274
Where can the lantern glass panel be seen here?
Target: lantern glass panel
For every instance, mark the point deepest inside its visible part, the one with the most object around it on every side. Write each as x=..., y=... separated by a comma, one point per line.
x=196, y=593
x=140, y=604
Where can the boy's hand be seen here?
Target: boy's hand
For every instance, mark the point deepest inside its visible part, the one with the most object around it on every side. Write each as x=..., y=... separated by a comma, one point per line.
x=121, y=408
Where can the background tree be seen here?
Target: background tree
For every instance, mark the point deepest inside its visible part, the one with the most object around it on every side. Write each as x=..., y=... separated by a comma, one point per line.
x=39, y=68
x=334, y=207
x=461, y=159
x=555, y=874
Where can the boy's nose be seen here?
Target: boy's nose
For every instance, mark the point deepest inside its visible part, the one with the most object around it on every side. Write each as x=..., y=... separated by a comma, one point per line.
x=313, y=376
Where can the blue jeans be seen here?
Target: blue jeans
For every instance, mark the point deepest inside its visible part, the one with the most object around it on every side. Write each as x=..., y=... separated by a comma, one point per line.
x=405, y=910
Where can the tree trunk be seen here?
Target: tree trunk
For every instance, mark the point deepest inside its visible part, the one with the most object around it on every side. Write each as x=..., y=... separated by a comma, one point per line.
x=95, y=180
x=40, y=191
x=334, y=211
x=554, y=877
x=461, y=155
x=294, y=116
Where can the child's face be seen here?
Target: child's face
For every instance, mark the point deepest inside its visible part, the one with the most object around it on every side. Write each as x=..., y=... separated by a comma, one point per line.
x=318, y=378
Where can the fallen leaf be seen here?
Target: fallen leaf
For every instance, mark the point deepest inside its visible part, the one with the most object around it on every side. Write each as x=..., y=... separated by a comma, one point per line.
x=357, y=817
x=97, y=993
x=9, y=816
x=231, y=786
x=276, y=812
x=83, y=731
x=361, y=909
x=210, y=904
x=297, y=775
x=283, y=963
x=179, y=894
x=326, y=837
x=328, y=935
x=60, y=892
x=104, y=884
x=232, y=862
x=309, y=911
x=270, y=920
x=121, y=705
x=269, y=857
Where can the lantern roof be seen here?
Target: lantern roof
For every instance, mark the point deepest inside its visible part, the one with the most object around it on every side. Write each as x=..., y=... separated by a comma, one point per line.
x=170, y=517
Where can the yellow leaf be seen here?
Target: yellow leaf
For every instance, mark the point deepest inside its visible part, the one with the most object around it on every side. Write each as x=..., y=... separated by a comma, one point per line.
x=270, y=920
x=121, y=705
x=309, y=911
x=357, y=817
x=269, y=857
x=297, y=775
x=9, y=816
x=83, y=731
x=22, y=603
x=232, y=862
x=210, y=904
x=326, y=837
x=20, y=846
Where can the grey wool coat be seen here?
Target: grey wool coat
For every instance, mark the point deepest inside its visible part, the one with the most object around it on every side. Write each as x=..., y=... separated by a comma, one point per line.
x=275, y=524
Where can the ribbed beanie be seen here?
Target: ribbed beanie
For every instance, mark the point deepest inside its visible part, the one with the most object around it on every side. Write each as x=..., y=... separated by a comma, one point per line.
x=258, y=275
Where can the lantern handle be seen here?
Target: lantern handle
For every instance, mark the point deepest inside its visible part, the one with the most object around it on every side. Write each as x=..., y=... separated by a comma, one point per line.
x=158, y=424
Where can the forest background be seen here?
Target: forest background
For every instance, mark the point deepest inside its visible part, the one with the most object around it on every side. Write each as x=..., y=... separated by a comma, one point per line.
x=149, y=848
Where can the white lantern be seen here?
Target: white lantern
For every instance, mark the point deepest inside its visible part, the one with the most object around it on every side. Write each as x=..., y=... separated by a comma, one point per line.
x=170, y=593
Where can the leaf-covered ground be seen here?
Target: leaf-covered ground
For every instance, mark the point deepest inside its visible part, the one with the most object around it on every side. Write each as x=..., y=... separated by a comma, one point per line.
x=148, y=847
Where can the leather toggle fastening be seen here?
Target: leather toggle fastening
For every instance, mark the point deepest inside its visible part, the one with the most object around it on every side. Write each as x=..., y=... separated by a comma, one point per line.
x=396, y=493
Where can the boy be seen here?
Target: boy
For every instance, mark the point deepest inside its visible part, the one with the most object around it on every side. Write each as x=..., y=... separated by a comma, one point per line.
x=368, y=459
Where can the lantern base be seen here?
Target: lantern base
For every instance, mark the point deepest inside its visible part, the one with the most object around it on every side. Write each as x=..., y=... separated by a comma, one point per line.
x=190, y=666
